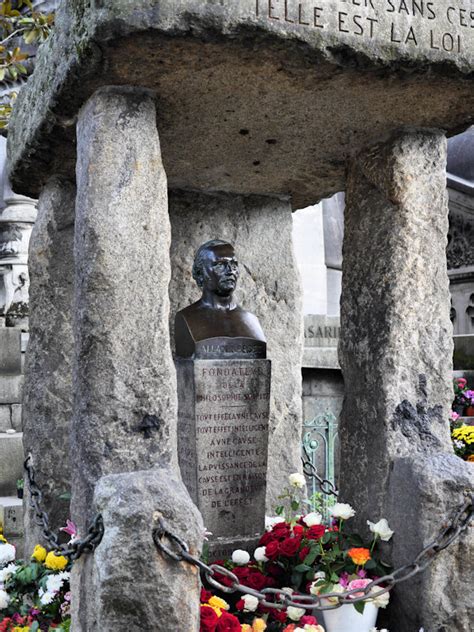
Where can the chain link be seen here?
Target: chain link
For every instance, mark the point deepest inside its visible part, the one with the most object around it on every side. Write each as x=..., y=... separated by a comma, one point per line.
x=178, y=551
x=74, y=549
x=325, y=485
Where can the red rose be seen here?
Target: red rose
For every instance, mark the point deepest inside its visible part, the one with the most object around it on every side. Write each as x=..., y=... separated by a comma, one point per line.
x=281, y=530
x=272, y=550
x=208, y=620
x=205, y=595
x=273, y=569
x=315, y=532
x=242, y=573
x=240, y=605
x=289, y=547
x=279, y=615
x=266, y=538
x=307, y=619
x=298, y=530
x=256, y=580
x=228, y=623
x=304, y=552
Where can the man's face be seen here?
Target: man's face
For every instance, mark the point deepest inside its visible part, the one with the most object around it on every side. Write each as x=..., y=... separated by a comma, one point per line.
x=220, y=270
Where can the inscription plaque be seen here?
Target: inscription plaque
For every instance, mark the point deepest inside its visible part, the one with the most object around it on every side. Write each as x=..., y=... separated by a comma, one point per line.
x=223, y=445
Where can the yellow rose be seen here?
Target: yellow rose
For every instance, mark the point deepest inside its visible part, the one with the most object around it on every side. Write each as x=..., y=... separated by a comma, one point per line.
x=245, y=627
x=2, y=539
x=259, y=625
x=39, y=553
x=55, y=562
x=217, y=602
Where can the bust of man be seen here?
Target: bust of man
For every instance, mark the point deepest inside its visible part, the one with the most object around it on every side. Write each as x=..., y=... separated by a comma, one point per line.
x=215, y=326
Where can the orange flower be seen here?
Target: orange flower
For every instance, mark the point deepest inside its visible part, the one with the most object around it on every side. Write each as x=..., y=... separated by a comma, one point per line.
x=470, y=458
x=359, y=556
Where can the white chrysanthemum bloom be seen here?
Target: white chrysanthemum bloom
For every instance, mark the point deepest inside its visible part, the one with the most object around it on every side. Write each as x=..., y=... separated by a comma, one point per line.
x=382, y=600
x=7, y=572
x=55, y=582
x=7, y=553
x=250, y=603
x=240, y=557
x=295, y=614
x=4, y=599
x=46, y=597
x=259, y=554
x=297, y=480
x=271, y=521
x=381, y=529
x=342, y=510
x=312, y=519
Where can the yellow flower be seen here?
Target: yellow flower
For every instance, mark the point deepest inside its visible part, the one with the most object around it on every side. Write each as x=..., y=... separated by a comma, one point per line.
x=39, y=553
x=245, y=628
x=26, y=628
x=217, y=602
x=259, y=625
x=2, y=539
x=55, y=562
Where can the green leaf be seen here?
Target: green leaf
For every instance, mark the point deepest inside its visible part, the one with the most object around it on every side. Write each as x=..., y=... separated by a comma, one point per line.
x=302, y=568
x=312, y=555
x=279, y=510
x=34, y=627
x=326, y=538
x=359, y=606
x=294, y=505
x=370, y=564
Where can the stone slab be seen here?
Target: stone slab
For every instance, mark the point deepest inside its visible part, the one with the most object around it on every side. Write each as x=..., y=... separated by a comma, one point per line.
x=321, y=331
x=5, y=417
x=16, y=417
x=10, y=351
x=320, y=358
x=11, y=462
x=223, y=443
x=11, y=389
x=11, y=516
x=344, y=73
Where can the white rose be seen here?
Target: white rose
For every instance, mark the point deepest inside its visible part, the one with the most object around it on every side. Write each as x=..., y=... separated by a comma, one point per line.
x=313, y=518
x=342, y=510
x=259, y=554
x=7, y=553
x=271, y=521
x=240, y=557
x=337, y=588
x=295, y=614
x=4, y=599
x=297, y=480
x=381, y=529
x=250, y=603
x=7, y=572
x=382, y=600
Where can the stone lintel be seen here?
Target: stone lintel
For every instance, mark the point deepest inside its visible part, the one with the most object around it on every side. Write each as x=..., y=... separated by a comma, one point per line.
x=340, y=76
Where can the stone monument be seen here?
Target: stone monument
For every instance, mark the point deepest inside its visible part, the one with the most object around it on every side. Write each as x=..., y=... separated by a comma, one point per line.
x=223, y=404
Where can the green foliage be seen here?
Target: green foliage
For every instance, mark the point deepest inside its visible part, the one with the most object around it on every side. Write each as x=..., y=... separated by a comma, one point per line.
x=20, y=26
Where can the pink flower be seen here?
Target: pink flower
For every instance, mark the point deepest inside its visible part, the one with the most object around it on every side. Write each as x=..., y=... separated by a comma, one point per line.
x=71, y=530
x=358, y=583
x=344, y=580
x=461, y=382
x=453, y=416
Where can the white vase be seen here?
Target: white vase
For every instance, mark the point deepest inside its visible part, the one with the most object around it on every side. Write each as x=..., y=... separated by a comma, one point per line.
x=347, y=619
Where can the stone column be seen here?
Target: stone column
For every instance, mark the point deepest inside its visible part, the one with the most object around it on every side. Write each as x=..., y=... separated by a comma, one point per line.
x=260, y=228
x=47, y=400
x=125, y=406
x=396, y=355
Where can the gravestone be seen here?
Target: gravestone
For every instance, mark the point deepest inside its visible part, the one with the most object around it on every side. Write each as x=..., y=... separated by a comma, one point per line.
x=223, y=405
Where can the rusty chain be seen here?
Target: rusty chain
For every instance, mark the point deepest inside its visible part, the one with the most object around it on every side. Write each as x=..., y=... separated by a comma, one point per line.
x=325, y=485
x=178, y=551
x=74, y=549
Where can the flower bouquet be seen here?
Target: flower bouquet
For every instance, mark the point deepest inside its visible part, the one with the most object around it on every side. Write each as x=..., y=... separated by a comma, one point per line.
x=305, y=554
x=34, y=594
x=463, y=403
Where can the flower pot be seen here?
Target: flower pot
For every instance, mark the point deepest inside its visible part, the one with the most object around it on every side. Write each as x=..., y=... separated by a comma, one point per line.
x=347, y=619
x=19, y=493
x=469, y=412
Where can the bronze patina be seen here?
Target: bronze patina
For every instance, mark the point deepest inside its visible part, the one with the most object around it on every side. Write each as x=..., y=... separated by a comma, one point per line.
x=215, y=326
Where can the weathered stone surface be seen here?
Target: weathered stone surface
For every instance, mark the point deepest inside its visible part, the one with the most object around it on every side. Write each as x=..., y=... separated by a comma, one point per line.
x=11, y=463
x=131, y=584
x=47, y=404
x=5, y=417
x=266, y=103
x=125, y=404
x=11, y=516
x=395, y=352
x=10, y=358
x=223, y=415
x=260, y=230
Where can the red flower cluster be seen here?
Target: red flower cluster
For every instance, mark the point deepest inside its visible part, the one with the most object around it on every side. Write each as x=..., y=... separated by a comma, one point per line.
x=287, y=542
x=212, y=622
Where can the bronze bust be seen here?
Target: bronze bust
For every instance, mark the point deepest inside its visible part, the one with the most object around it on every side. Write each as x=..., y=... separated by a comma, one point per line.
x=215, y=326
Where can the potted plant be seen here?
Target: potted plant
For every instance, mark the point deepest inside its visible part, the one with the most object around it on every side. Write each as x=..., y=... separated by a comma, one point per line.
x=461, y=400
x=20, y=484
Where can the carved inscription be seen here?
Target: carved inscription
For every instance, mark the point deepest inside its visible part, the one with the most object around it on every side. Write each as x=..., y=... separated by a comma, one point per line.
x=445, y=27
x=223, y=443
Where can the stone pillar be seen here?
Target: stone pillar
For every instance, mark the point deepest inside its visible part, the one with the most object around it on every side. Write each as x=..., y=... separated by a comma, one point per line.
x=396, y=355
x=47, y=400
x=125, y=406
x=260, y=229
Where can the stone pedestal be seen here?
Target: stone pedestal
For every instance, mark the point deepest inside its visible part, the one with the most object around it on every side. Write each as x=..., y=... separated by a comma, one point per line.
x=223, y=445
